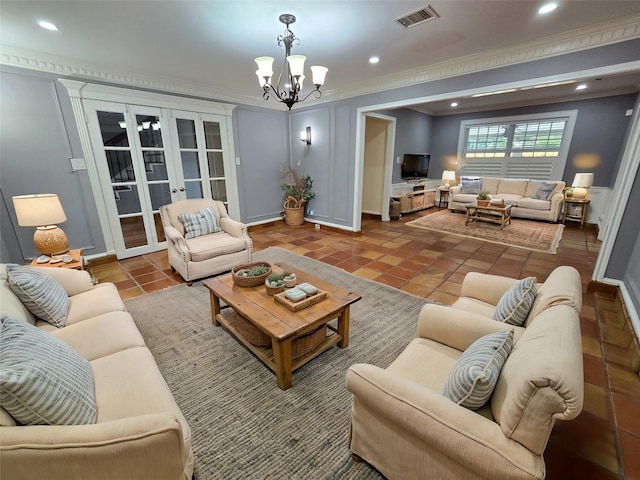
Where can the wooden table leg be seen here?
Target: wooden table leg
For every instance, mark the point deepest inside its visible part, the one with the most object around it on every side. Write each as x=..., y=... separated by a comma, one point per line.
x=215, y=309
x=282, y=359
x=343, y=327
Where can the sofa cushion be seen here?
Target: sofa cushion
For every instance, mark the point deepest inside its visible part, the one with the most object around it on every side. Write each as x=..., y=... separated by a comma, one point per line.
x=476, y=372
x=513, y=187
x=544, y=191
x=101, y=335
x=42, y=380
x=533, y=204
x=200, y=223
x=509, y=198
x=515, y=304
x=471, y=185
x=464, y=197
x=40, y=293
x=209, y=246
x=490, y=184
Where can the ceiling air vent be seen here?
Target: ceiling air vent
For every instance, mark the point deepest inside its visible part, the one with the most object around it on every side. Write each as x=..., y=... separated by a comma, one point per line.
x=419, y=16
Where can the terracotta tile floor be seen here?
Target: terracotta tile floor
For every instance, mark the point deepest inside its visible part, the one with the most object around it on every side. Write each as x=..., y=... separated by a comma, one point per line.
x=602, y=443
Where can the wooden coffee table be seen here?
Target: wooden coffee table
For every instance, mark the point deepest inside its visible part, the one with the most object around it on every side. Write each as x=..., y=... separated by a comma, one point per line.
x=491, y=213
x=281, y=324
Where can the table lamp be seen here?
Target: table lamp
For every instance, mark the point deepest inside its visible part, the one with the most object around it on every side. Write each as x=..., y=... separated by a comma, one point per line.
x=43, y=211
x=448, y=176
x=581, y=182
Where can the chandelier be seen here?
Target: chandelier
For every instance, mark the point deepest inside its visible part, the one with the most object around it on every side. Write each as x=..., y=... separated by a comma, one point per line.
x=292, y=71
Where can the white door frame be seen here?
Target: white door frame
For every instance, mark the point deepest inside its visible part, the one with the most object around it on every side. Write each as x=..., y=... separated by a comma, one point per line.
x=79, y=91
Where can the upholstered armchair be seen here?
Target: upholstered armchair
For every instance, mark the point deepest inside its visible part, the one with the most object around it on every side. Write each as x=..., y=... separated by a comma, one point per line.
x=404, y=426
x=202, y=239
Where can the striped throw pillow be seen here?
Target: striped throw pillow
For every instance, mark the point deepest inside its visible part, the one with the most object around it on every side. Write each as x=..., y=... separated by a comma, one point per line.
x=199, y=223
x=515, y=304
x=42, y=380
x=40, y=293
x=476, y=372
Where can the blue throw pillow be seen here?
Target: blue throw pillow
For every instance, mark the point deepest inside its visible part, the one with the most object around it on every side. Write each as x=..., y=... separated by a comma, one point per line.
x=514, y=305
x=544, y=191
x=471, y=185
x=200, y=223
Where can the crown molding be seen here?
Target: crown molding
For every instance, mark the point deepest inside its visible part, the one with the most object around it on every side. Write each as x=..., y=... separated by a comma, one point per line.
x=599, y=35
x=578, y=40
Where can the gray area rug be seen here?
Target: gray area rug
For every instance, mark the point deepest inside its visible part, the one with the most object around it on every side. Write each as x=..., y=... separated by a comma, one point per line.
x=243, y=425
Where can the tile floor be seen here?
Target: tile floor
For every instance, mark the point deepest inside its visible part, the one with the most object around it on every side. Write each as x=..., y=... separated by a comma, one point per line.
x=602, y=443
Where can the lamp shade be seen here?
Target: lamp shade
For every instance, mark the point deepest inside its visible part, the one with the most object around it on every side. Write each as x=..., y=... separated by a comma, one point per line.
x=583, y=180
x=296, y=64
x=38, y=210
x=265, y=66
x=318, y=73
x=448, y=175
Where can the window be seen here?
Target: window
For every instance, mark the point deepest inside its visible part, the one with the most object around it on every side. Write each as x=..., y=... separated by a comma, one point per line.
x=530, y=146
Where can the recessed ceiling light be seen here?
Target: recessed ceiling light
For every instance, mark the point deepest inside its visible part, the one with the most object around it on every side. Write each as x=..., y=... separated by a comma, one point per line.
x=547, y=7
x=373, y=60
x=582, y=86
x=454, y=104
x=47, y=25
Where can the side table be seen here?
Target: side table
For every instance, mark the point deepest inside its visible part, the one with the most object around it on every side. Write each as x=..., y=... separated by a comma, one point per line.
x=76, y=264
x=575, y=209
x=443, y=197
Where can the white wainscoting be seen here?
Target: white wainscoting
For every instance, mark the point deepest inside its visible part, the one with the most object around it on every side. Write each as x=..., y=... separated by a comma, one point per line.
x=598, y=208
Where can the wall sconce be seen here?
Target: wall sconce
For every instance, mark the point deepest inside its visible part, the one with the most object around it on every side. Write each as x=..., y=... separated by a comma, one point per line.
x=43, y=211
x=581, y=182
x=305, y=136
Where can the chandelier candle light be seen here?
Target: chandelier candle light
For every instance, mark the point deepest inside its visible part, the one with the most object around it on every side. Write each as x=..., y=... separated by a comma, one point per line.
x=292, y=71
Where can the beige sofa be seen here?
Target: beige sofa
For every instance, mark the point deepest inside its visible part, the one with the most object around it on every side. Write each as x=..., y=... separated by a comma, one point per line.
x=514, y=192
x=139, y=432
x=403, y=426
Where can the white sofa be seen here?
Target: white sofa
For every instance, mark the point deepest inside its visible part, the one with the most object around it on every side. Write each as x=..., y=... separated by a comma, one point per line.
x=518, y=193
x=402, y=424
x=139, y=431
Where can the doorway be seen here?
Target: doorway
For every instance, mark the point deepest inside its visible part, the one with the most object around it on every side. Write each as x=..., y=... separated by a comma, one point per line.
x=377, y=167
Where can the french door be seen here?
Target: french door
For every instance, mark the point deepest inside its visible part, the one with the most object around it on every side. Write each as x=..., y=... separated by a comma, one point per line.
x=146, y=157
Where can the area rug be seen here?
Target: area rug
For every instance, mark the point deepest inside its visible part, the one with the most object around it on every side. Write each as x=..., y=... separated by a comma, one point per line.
x=243, y=426
x=530, y=234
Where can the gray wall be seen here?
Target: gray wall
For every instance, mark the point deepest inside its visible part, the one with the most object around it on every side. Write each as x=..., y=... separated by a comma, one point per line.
x=414, y=134
x=600, y=131
x=38, y=135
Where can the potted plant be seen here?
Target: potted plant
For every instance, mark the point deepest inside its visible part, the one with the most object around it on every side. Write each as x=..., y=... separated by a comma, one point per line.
x=298, y=191
x=289, y=279
x=483, y=198
x=274, y=283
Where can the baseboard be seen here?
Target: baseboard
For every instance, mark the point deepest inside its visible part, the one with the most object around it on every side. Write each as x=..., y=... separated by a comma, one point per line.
x=628, y=304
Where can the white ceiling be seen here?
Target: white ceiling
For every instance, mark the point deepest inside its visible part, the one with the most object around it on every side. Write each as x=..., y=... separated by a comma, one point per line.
x=209, y=46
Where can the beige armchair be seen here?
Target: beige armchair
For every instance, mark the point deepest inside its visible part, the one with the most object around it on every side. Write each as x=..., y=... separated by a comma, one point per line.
x=403, y=426
x=209, y=254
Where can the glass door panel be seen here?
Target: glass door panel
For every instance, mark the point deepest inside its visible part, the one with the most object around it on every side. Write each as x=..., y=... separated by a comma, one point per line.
x=215, y=160
x=123, y=182
x=191, y=171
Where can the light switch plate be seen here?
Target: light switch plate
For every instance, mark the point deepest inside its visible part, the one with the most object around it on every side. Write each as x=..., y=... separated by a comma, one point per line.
x=78, y=164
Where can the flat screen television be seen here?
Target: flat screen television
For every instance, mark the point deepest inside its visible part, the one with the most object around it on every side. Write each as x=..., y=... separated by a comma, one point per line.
x=415, y=166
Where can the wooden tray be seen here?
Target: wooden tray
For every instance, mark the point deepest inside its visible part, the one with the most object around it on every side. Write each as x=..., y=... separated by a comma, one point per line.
x=307, y=302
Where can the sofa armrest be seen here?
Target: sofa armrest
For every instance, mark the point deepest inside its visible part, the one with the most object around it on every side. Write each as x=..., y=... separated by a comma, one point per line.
x=73, y=281
x=455, y=190
x=147, y=446
x=457, y=328
x=233, y=227
x=485, y=287
x=439, y=424
x=557, y=201
x=175, y=237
